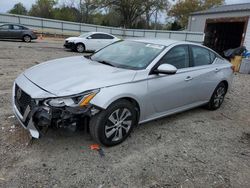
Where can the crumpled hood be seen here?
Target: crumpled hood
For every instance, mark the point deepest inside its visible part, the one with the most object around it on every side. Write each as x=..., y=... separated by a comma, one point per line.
x=72, y=38
x=73, y=75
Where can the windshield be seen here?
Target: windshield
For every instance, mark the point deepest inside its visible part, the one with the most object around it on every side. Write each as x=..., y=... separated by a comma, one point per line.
x=84, y=35
x=128, y=54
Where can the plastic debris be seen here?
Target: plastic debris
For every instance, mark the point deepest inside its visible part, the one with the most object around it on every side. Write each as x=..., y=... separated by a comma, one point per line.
x=97, y=148
x=11, y=117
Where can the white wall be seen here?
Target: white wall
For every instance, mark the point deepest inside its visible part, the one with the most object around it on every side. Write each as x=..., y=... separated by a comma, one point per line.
x=247, y=37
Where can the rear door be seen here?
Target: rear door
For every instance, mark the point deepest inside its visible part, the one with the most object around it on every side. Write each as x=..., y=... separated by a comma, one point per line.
x=205, y=74
x=107, y=39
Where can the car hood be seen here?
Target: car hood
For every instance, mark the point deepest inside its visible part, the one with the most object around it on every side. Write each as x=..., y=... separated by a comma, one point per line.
x=73, y=75
x=73, y=38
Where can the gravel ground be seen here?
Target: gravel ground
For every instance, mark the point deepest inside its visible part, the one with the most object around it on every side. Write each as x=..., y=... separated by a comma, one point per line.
x=197, y=148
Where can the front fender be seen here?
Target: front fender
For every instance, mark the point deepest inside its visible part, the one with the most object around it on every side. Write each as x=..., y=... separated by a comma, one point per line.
x=136, y=91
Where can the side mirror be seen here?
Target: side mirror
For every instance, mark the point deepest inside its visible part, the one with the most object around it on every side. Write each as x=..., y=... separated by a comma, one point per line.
x=166, y=69
x=89, y=37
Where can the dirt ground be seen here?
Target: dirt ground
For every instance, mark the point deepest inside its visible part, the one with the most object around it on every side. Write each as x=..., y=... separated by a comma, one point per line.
x=197, y=148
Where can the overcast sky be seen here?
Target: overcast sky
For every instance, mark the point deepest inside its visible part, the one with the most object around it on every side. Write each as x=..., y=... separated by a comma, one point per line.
x=6, y=5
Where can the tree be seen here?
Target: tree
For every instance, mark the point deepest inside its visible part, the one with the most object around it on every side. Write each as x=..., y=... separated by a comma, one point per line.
x=67, y=13
x=18, y=9
x=87, y=9
x=182, y=9
x=153, y=7
x=43, y=8
x=132, y=11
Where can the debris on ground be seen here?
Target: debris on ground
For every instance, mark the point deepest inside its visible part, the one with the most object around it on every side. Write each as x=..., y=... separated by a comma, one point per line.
x=97, y=148
x=11, y=117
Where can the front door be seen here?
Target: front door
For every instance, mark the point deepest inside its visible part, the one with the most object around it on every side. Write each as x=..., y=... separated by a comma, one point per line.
x=169, y=92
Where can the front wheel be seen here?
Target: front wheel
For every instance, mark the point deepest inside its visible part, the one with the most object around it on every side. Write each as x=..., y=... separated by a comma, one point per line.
x=26, y=38
x=217, y=97
x=80, y=48
x=113, y=125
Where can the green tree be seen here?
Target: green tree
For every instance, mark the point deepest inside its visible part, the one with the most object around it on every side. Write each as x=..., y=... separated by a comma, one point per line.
x=43, y=8
x=182, y=9
x=67, y=13
x=87, y=9
x=18, y=9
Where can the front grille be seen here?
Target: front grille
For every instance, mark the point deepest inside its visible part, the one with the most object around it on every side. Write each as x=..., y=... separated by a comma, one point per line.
x=22, y=99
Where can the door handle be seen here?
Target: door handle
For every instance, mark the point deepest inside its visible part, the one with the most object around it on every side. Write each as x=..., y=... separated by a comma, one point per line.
x=217, y=70
x=188, y=78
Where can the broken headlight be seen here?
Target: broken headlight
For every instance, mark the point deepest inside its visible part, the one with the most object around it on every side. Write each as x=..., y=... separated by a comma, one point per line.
x=73, y=101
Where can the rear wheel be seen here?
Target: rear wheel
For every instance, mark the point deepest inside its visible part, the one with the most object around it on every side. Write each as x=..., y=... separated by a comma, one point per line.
x=26, y=38
x=217, y=97
x=113, y=125
x=80, y=47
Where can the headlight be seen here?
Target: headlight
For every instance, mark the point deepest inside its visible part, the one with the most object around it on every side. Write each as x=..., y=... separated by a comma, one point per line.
x=77, y=100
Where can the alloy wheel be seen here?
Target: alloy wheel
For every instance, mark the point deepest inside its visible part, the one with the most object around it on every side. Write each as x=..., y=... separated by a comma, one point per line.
x=80, y=48
x=219, y=96
x=26, y=38
x=118, y=124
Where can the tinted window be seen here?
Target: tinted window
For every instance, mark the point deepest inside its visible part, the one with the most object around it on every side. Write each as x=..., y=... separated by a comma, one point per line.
x=16, y=27
x=4, y=27
x=107, y=36
x=178, y=57
x=101, y=36
x=96, y=36
x=201, y=56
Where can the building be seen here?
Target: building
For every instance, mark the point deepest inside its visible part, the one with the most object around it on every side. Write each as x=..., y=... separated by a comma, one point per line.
x=225, y=26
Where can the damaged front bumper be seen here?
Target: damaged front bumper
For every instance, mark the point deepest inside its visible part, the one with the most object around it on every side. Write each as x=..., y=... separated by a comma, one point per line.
x=33, y=115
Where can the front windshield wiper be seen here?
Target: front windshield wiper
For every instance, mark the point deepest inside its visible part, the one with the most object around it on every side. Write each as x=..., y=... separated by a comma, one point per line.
x=105, y=63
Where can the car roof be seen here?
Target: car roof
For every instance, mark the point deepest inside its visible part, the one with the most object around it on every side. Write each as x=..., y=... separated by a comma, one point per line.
x=97, y=32
x=159, y=41
x=13, y=24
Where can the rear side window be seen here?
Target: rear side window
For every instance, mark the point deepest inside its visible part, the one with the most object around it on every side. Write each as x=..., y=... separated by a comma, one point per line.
x=16, y=27
x=178, y=57
x=107, y=36
x=201, y=56
x=101, y=36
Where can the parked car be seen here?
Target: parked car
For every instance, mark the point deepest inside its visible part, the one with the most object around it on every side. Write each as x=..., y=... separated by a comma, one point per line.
x=91, y=41
x=121, y=85
x=16, y=31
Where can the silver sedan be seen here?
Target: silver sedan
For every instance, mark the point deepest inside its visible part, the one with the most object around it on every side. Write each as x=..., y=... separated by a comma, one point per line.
x=119, y=86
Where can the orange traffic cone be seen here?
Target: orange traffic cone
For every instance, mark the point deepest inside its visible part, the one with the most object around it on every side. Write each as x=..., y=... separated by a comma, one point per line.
x=40, y=37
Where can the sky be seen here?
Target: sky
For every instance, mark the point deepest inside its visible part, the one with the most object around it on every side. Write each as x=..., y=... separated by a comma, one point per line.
x=6, y=5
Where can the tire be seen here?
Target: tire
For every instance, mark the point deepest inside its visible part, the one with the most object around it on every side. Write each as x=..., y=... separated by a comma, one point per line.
x=26, y=38
x=80, y=47
x=104, y=127
x=217, y=97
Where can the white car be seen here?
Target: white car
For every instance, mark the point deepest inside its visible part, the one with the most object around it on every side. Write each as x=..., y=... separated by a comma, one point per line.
x=90, y=41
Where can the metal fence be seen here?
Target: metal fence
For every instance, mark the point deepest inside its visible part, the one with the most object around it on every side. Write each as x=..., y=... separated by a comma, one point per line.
x=51, y=26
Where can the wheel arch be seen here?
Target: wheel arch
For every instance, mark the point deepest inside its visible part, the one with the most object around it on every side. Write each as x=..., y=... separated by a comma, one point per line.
x=225, y=82
x=129, y=99
x=80, y=43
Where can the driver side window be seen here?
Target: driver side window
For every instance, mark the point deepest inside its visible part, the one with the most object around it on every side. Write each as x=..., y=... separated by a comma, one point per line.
x=177, y=56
